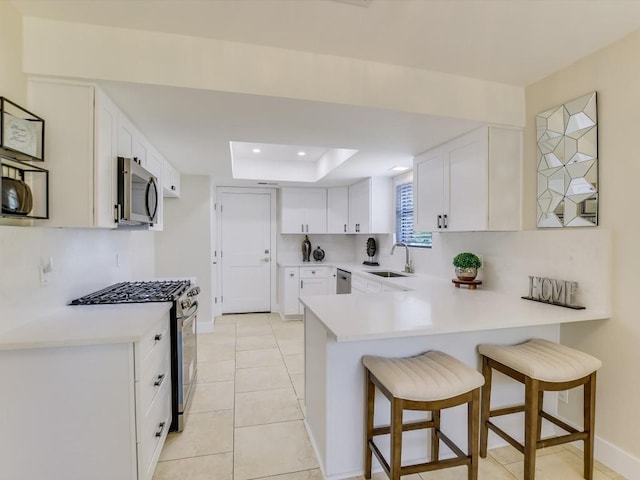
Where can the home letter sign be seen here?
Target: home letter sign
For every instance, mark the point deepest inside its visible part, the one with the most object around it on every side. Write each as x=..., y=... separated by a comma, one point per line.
x=553, y=291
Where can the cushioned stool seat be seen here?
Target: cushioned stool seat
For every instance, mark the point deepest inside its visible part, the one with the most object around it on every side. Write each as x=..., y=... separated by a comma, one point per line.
x=542, y=366
x=430, y=382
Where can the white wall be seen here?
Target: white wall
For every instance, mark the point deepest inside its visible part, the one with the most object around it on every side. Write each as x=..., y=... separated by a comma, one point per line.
x=613, y=72
x=83, y=260
x=184, y=248
x=337, y=248
x=107, y=53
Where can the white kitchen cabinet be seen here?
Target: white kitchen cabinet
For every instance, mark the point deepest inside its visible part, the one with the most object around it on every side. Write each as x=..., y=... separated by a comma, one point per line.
x=170, y=180
x=80, y=149
x=85, y=133
x=358, y=284
x=290, y=286
x=337, y=210
x=304, y=210
x=471, y=183
x=94, y=411
x=332, y=281
x=297, y=281
x=370, y=206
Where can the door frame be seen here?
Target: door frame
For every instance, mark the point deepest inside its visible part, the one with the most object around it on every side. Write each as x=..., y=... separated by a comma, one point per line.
x=273, y=269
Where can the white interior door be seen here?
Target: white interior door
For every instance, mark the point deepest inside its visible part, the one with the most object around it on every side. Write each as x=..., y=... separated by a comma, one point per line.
x=245, y=224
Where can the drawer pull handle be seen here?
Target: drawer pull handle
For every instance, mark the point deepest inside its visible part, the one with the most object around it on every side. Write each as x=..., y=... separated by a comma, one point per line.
x=159, y=381
x=158, y=337
x=161, y=427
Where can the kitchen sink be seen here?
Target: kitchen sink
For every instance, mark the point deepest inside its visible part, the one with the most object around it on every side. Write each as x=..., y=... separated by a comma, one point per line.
x=387, y=274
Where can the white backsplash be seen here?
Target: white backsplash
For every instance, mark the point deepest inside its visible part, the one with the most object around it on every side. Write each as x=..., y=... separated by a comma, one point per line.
x=84, y=260
x=581, y=255
x=337, y=248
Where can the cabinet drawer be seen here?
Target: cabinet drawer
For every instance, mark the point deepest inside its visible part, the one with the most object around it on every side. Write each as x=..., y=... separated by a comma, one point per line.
x=155, y=372
x=153, y=339
x=314, y=272
x=153, y=430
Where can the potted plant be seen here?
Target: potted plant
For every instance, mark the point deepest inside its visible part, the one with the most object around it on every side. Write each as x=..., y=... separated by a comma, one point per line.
x=467, y=265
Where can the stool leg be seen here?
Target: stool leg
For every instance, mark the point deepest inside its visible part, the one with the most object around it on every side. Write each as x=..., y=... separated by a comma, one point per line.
x=473, y=411
x=396, y=438
x=531, y=410
x=486, y=407
x=589, y=424
x=540, y=400
x=435, y=441
x=371, y=397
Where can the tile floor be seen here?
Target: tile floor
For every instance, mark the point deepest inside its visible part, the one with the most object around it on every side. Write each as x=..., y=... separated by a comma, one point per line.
x=246, y=416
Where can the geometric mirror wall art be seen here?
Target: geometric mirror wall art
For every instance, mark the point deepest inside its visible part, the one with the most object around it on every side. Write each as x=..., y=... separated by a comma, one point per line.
x=567, y=138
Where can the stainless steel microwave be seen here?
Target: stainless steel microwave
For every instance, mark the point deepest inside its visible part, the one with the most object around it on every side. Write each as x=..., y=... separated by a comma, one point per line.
x=137, y=202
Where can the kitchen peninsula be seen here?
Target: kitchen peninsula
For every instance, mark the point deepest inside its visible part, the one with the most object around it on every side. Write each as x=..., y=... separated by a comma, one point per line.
x=339, y=330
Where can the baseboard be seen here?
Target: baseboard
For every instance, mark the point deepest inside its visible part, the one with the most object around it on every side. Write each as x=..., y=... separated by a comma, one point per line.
x=612, y=456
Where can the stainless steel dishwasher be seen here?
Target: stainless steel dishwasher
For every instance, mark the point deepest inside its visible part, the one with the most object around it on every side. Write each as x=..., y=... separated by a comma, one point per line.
x=343, y=283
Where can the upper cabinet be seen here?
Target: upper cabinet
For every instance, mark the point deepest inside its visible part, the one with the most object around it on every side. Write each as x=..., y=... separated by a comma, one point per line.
x=170, y=181
x=304, y=210
x=338, y=210
x=86, y=132
x=370, y=205
x=472, y=183
x=81, y=152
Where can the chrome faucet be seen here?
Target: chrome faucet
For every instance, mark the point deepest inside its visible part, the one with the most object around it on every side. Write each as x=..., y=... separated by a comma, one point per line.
x=408, y=267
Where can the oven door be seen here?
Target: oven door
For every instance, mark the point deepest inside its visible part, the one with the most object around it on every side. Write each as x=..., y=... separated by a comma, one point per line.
x=187, y=352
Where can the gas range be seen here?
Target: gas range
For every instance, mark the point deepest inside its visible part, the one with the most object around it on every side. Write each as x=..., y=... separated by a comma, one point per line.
x=136, y=292
x=182, y=327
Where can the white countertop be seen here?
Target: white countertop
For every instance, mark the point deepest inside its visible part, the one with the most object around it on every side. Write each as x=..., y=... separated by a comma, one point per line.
x=85, y=325
x=433, y=306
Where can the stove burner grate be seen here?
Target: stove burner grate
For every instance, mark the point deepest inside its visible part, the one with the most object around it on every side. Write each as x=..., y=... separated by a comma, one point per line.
x=135, y=292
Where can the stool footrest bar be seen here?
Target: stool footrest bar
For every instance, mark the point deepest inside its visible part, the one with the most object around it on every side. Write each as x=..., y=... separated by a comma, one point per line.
x=506, y=410
x=451, y=445
x=558, y=422
x=512, y=441
x=406, y=427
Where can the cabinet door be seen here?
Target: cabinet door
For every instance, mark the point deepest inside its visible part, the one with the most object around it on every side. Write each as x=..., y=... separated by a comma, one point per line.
x=125, y=137
x=292, y=208
x=332, y=281
x=337, y=210
x=69, y=149
x=359, y=207
x=315, y=210
x=466, y=187
x=428, y=190
x=170, y=180
x=105, y=180
x=290, y=282
x=140, y=149
x=313, y=286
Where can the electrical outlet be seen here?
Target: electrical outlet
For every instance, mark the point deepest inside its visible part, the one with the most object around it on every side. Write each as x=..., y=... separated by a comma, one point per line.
x=46, y=271
x=117, y=260
x=563, y=396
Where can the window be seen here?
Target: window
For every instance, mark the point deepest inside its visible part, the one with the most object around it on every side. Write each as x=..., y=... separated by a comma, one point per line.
x=404, y=219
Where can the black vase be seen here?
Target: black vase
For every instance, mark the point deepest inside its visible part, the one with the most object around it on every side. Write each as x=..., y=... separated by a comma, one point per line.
x=306, y=249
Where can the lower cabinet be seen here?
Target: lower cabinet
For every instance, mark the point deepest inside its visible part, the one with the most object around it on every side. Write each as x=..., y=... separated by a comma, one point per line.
x=97, y=411
x=298, y=281
x=363, y=284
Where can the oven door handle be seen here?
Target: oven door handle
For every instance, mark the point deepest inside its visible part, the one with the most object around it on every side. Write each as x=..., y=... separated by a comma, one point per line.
x=190, y=315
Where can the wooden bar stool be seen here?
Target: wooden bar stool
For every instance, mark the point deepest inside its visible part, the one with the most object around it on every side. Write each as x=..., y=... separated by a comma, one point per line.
x=429, y=382
x=542, y=366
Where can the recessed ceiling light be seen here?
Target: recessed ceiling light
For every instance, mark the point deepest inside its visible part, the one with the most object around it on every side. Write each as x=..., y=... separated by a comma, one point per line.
x=302, y=154
x=256, y=150
x=400, y=169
